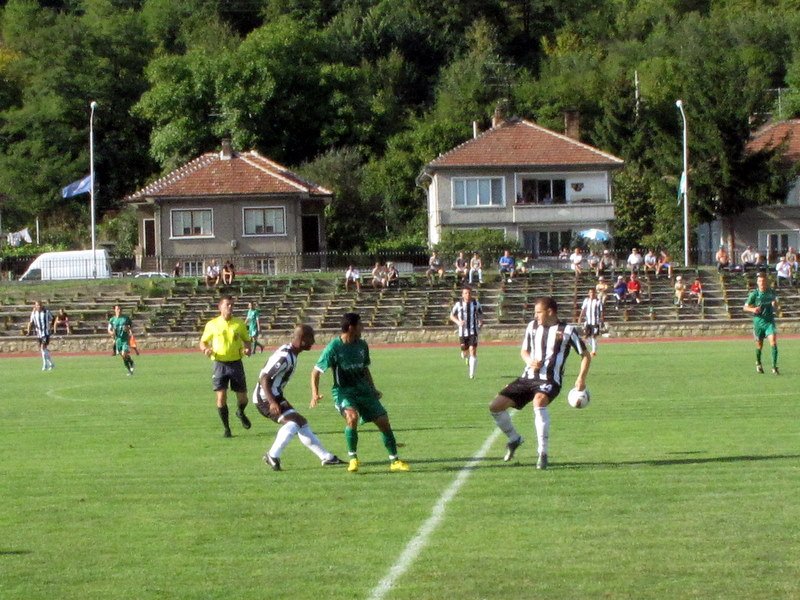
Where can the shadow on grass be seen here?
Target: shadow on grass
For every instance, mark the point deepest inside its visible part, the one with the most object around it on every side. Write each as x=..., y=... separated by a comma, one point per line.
x=14, y=552
x=669, y=462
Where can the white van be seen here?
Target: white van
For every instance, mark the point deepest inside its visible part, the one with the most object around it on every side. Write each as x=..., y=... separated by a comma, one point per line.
x=73, y=264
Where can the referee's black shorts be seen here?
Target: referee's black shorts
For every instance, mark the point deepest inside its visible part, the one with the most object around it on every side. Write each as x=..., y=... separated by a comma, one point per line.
x=468, y=341
x=229, y=373
x=522, y=390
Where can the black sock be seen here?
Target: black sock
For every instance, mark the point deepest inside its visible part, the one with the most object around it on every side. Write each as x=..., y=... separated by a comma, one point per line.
x=223, y=414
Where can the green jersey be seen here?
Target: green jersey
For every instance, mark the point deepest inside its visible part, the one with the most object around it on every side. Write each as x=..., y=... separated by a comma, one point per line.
x=764, y=301
x=121, y=327
x=252, y=321
x=349, y=363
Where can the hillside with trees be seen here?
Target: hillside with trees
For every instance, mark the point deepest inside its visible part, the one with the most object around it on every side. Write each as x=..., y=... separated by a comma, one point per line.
x=360, y=94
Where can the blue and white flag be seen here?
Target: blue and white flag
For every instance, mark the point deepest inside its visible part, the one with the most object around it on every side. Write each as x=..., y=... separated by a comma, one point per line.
x=82, y=186
x=682, y=187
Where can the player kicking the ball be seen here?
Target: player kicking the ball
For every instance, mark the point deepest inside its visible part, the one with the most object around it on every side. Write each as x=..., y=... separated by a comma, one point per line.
x=270, y=401
x=354, y=393
x=762, y=302
x=545, y=349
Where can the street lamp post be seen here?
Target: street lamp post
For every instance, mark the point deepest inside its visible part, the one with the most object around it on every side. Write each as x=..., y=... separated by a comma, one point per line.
x=92, y=106
x=685, y=190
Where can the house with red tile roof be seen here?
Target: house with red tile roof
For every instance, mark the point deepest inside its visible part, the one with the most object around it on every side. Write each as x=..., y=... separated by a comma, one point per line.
x=538, y=186
x=770, y=229
x=231, y=205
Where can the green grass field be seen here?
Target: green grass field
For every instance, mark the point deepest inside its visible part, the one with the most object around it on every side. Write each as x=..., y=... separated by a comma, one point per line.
x=680, y=480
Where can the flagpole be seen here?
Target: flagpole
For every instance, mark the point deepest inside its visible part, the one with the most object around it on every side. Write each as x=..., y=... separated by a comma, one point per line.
x=686, y=236
x=92, y=106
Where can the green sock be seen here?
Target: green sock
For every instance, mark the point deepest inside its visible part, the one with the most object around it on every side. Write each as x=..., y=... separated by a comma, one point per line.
x=390, y=442
x=758, y=356
x=351, y=437
x=774, y=357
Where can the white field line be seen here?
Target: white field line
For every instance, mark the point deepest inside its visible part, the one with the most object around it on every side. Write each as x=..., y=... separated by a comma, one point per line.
x=420, y=539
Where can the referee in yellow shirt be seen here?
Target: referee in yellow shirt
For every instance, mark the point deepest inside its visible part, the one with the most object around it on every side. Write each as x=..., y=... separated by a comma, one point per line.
x=225, y=340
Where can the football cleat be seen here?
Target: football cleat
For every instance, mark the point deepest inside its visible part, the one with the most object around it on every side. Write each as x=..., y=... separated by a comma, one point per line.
x=511, y=448
x=759, y=368
x=333, y=460
x=275, y=463
x=243, y=418
x=775, y=371
x=541, y=464
x=352, y=466
x=399, y=465
x=227, y=433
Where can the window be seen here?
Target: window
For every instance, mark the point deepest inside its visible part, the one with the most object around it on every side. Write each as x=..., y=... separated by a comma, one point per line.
x=543, y=191
x=478, y=191
x=551, y=242
x=264, y=221
x=192, y=223
x=266, y=266
x=193, y=268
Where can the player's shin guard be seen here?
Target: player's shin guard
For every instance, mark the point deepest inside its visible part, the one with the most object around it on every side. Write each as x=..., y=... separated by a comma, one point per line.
x=473, y=362
x=542, y=422
x=223, y=415
x=390, y=443
x=351, y=437
x=503, y=420
x=285, y=435
x=311, y=441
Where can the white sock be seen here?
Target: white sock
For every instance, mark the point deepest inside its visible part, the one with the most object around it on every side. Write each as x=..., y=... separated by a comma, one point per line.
x=311, y=441
x=473, y=360
x=463, y=356
x=542, y=422
x=285, y=435
x=593, y=342
x=503, y=420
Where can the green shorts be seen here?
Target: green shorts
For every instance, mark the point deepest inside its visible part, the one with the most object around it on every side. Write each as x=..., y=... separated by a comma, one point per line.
x=122, y=346
x=364, y=401
x=762, y=329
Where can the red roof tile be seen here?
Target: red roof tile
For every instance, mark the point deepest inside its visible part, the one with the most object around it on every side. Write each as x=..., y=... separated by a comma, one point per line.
x=518, y=143
x=243, y=173
x=772, y=135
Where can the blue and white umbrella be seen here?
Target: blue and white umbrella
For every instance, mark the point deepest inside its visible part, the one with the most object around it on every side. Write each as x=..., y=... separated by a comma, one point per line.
x=597, y=235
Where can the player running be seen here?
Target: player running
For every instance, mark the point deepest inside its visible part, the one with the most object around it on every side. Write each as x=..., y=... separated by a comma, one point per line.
x=468, y=315
x=42, y=321
x=354, y=393
x=762, y=302
x=119, y=327
x=253, y=325
x=545, y=349
x=270, y=401
x=592, y=317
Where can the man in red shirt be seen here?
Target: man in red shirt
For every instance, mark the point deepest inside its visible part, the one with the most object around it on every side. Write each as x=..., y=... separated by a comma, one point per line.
x=635, y=288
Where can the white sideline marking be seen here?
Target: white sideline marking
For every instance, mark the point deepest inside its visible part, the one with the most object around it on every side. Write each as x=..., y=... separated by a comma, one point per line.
x=420, y=539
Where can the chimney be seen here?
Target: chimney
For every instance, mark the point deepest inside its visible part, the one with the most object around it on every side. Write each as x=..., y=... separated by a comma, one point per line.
x=572, y=123
x=499, y=116
x=475, y=131
x=226, y=152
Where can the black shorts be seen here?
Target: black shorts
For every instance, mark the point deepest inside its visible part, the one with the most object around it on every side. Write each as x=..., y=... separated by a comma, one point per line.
x=468, y=341
x=591, y=330
x=522, y=390
x=229, y=373
x=44, y=340
x=286, y=408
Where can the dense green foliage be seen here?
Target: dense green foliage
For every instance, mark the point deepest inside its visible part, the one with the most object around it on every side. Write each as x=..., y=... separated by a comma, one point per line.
x=363, y=93
x=671, y=484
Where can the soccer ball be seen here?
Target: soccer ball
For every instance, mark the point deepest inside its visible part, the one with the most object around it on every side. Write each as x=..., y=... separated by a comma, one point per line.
x=578, y=398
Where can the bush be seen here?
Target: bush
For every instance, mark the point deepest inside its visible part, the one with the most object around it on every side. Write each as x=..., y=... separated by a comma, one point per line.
x=489, y=243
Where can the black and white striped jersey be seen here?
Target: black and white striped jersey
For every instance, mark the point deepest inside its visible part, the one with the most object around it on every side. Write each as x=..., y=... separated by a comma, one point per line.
x=41, y=321
x=550, y=346
x=470, y=314
x=592, y=311
x=279, y=369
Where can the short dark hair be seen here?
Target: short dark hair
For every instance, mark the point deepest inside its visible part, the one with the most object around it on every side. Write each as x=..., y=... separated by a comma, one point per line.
x=466, y=286
x=548, y=303
x=350, y=319
x=225, y=297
